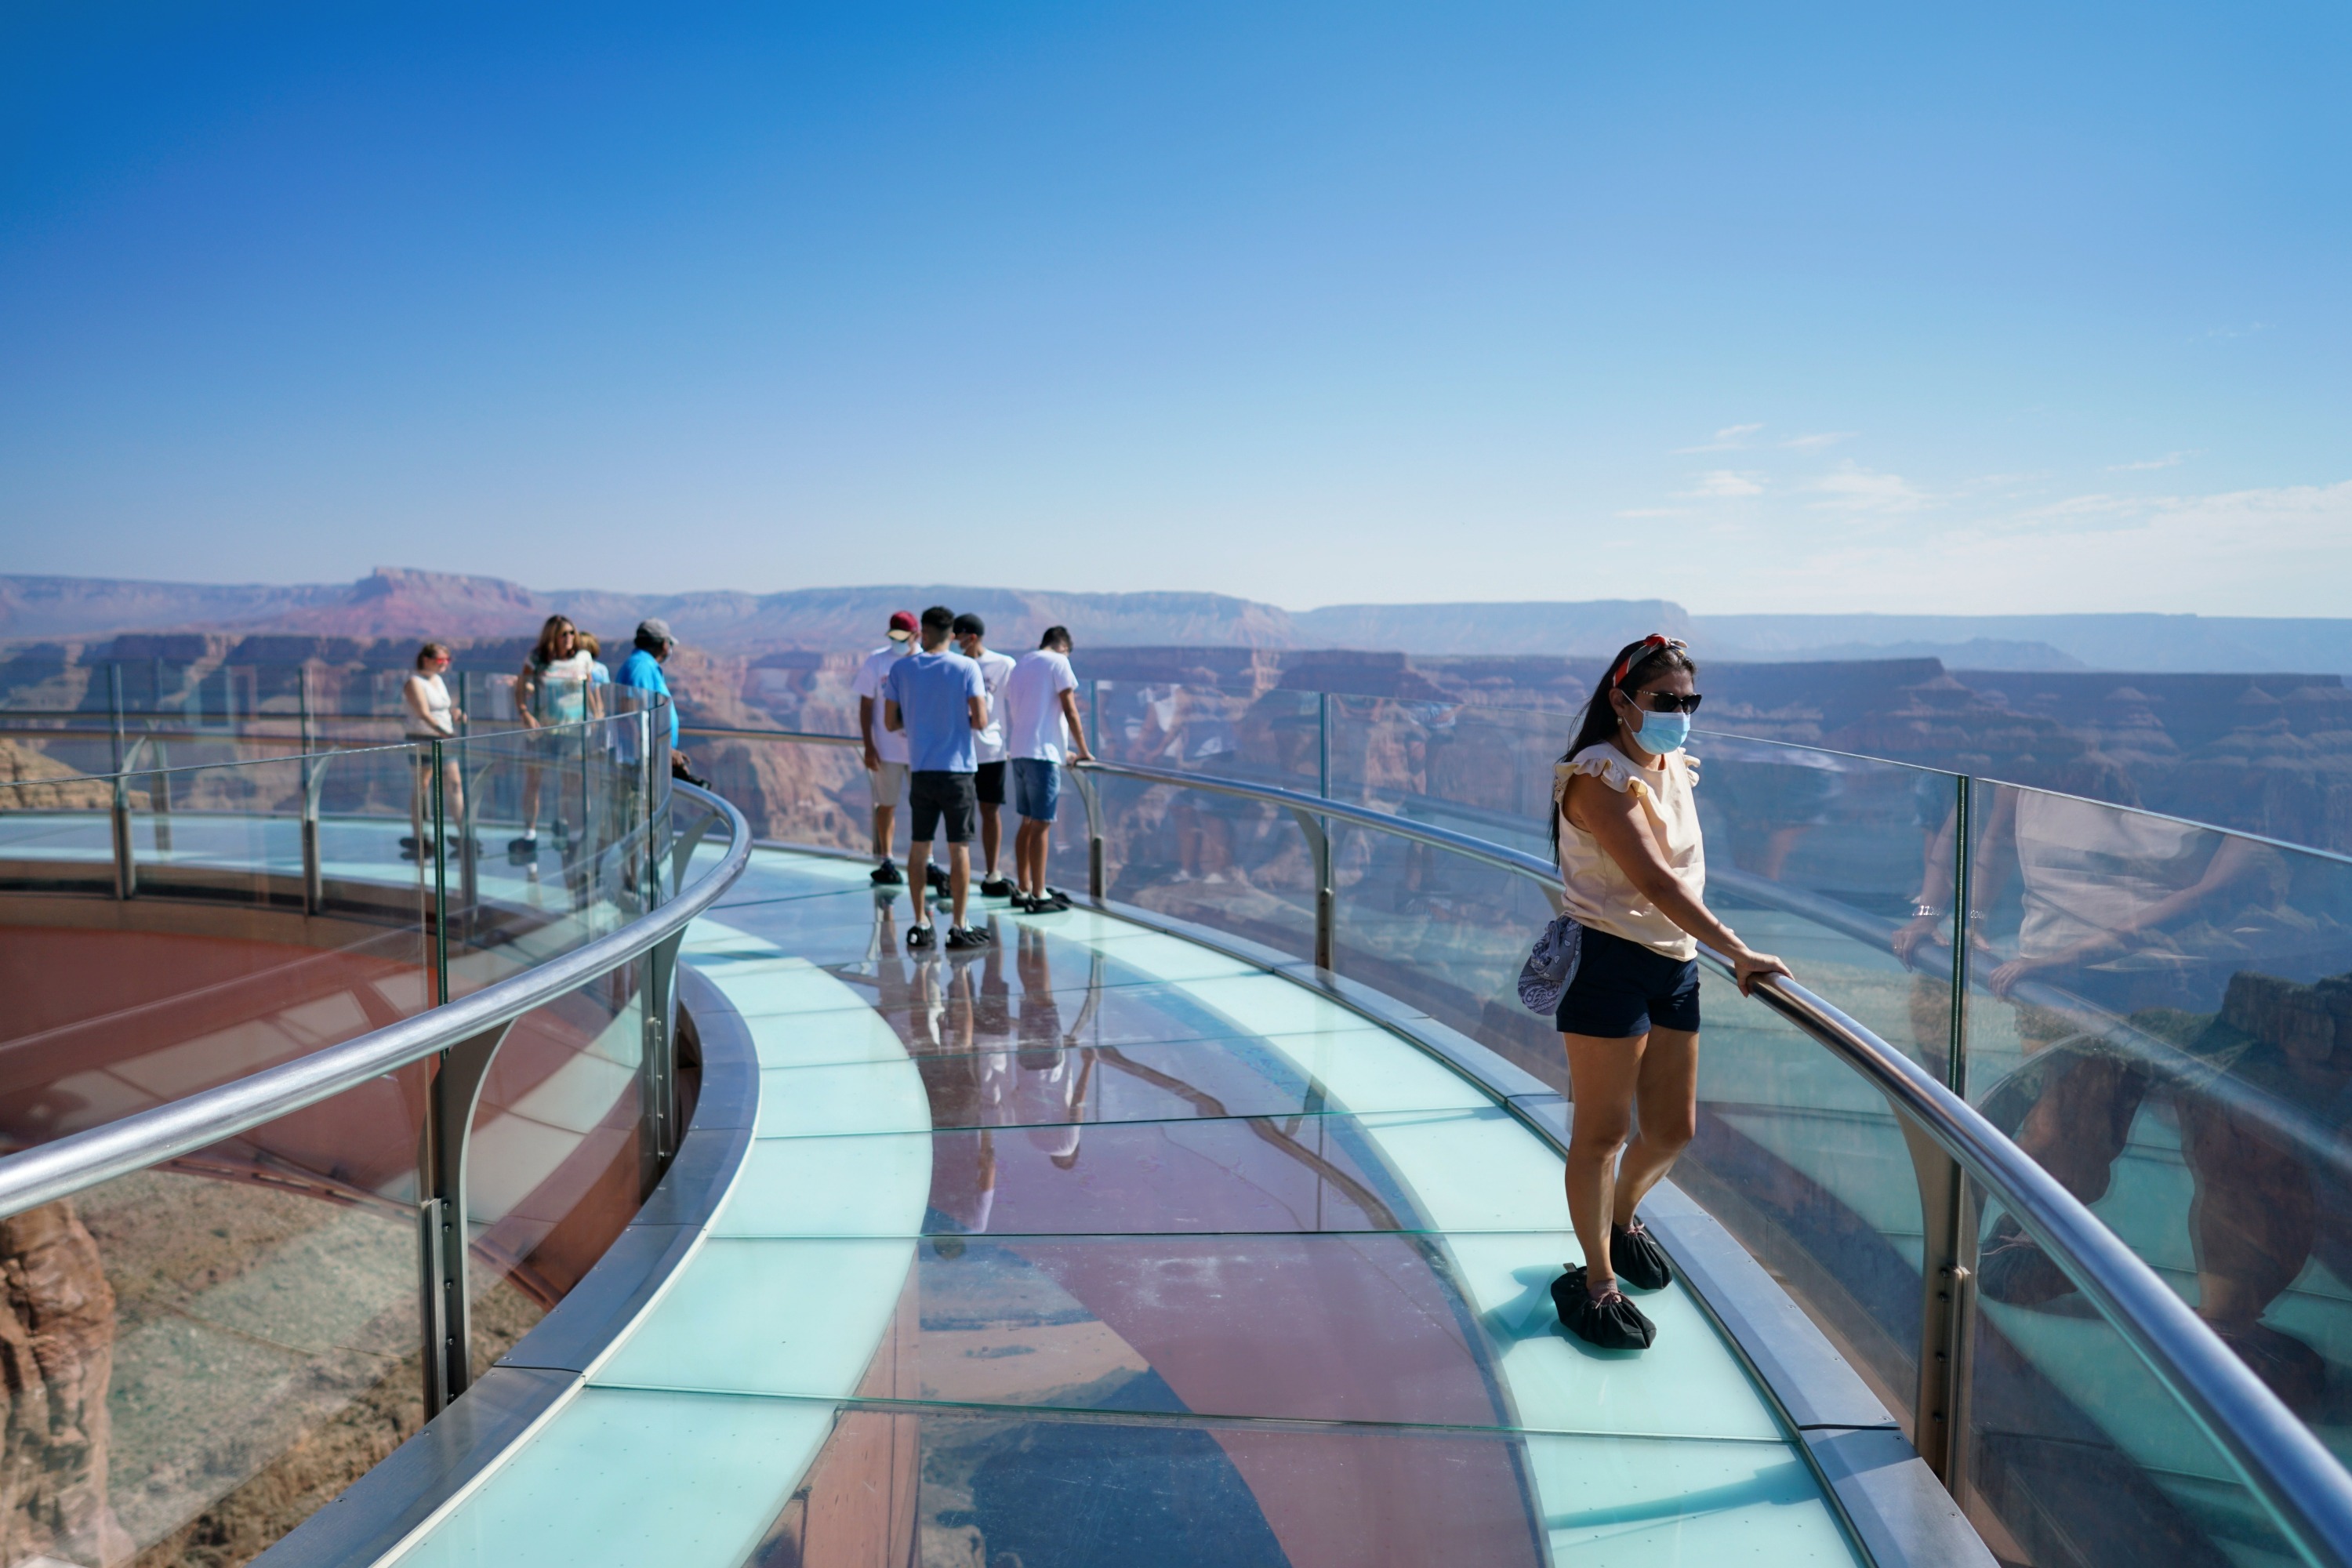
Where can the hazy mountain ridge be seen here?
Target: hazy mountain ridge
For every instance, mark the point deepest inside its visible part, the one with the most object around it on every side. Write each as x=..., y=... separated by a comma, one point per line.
x=394, y=601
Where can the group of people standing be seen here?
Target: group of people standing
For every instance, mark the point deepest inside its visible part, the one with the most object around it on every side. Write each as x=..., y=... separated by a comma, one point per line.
x=956, y=729
x=557, y=685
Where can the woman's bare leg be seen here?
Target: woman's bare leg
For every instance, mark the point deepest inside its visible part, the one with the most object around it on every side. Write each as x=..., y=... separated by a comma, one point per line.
x=1667, y=1099
x=1604, y=1074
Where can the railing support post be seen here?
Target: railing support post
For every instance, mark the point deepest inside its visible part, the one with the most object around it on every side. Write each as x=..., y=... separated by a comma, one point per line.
x=1947, y=1308
x=1097, y=877
x=443, y=1300
x=657, y=994
x=126, y=867
x=1318, y=851
x=314, y=885
x=440, y=880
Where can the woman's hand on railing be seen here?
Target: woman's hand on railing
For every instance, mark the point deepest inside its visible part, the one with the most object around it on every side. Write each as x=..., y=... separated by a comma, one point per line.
x=1748, y=966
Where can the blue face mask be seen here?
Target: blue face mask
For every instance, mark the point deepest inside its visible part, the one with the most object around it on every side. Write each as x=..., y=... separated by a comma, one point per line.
x=1663, y=732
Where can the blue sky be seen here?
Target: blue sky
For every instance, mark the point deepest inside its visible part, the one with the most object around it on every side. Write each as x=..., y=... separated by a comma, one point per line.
x=1757, y=307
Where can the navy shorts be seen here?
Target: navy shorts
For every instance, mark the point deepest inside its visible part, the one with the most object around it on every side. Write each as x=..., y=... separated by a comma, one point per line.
x=990, y=781
x=1623, y=988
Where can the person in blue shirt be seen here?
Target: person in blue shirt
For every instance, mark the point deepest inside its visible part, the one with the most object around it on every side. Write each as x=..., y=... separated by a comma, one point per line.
x=938, y=701
x=641, y=669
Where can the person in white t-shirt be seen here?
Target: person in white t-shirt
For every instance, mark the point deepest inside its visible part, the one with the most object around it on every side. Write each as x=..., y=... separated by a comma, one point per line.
x=1041, y=722
x=886, y=748
x=988, y=746
x=552, y=693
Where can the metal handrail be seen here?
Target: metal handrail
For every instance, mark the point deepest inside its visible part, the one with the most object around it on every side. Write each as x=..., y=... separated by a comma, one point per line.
x=82, y=1160
x=2280, y=1458
x=2285, y=1464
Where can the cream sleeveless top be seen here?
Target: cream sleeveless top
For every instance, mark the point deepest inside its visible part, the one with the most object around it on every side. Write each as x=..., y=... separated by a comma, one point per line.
x=1599, y=894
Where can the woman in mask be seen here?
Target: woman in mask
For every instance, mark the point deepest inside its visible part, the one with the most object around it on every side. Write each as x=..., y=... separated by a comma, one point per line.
x=1625, y=833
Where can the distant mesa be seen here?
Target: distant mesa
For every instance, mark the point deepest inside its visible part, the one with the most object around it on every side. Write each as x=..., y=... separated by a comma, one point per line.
x=395, y=602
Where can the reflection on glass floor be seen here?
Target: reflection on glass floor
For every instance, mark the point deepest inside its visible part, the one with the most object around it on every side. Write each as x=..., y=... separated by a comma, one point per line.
x=1100, y=1248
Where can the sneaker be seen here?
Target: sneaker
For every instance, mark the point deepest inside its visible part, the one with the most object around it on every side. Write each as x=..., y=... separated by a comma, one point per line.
x=921, y=937
x=1638, y=1258
x=996, y=887
x=939, y=876
x=887, y=875
x=967, y=936
x=1612, y=1323
x=2012, y=1270
x=1056, y=898
x=522, y=849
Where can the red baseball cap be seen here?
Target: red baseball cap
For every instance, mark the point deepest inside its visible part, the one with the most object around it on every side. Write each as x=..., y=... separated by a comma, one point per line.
x=902, y=624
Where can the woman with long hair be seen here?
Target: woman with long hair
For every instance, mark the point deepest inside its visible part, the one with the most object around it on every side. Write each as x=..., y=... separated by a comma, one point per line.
x=431, y=716
x=1626, y=834
x=551, y=689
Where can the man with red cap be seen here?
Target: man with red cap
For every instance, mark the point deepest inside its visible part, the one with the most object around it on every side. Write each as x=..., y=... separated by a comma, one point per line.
x=886, y=748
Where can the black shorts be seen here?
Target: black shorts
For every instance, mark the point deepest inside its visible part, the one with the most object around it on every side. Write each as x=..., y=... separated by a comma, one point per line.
x=938, y=798
x=990, y=779
x=1623, y=988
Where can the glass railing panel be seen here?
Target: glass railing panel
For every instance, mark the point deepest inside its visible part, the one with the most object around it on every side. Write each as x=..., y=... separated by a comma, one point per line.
x=2077, y=1454
x=1240, y=866
x=2161, y=1015
x=57, y=831
x=1805, y=1164
x=221, y=961
x=1269, y=737
x=227, y=1341
x=1842, y=865
x=1446, y=934
x=1466, y=767
x=557, y=1158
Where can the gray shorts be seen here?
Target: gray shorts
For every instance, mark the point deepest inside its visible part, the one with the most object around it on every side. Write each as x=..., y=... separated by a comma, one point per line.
x=889, y=782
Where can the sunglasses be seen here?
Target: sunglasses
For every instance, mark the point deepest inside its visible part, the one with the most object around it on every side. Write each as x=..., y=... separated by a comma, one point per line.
x=1665, y=702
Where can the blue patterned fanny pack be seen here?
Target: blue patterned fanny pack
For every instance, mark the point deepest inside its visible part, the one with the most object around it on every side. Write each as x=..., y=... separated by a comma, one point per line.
x=1550, y=969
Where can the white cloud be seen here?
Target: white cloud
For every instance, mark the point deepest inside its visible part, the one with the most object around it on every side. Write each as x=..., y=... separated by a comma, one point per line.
x=1656, y=511
x=1853, y=488
x=1816, y=443
x=1722, y=484
x=1730, y=438
x=2170, y=460
x=2280, y=552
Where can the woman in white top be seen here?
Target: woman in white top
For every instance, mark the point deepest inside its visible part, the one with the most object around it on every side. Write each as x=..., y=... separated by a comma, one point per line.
x=1634, y=872
x=431, y=716
x=553, y=689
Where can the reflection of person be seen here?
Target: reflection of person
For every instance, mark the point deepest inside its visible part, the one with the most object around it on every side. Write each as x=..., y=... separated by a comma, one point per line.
x=431, y=716
x=884, y=749
x=937, y=700
x=1051, y=1088
x=2145, y=918
x=1041, y=730
x=1633, y=871
x=995, y=670
x=551, y=689
x=1771, y=796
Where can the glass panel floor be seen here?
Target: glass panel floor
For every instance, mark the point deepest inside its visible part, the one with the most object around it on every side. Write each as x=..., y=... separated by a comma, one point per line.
x=1097, y=1247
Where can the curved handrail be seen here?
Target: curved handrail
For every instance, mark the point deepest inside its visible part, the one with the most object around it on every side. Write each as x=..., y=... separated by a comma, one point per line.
x=51, y=1171
x=2280, y=1458
x=2290, y=1469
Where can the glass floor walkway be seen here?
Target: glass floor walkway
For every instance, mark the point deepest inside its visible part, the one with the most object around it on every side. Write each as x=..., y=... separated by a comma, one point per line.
x=1099, y=1247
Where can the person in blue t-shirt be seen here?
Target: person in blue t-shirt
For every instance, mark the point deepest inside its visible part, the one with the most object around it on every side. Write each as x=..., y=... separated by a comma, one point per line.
x=643, y=670
x=938, y=701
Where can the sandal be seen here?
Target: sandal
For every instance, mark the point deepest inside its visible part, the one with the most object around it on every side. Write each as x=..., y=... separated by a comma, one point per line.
x=1611, y=1322
x=1638, y=1258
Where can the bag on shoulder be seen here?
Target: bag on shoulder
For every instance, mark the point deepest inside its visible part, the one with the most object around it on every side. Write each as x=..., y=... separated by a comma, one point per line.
x=1550, y=969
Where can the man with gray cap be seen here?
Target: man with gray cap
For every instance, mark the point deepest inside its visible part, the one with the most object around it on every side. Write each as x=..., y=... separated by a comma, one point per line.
x=641, y=669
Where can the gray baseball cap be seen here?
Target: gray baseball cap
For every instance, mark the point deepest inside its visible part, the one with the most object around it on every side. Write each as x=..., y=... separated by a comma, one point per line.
x=654, y=629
